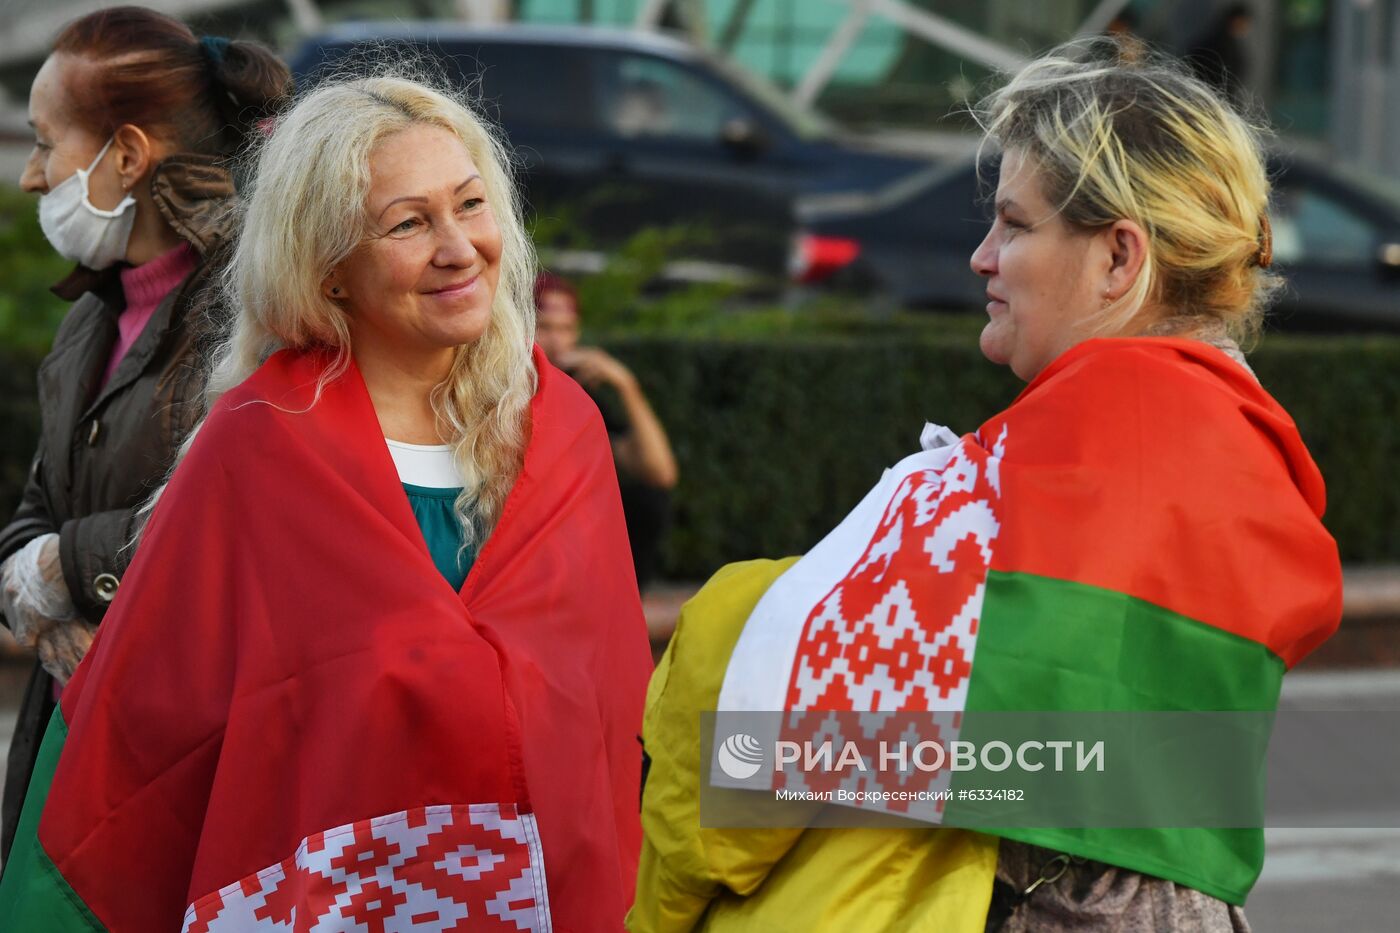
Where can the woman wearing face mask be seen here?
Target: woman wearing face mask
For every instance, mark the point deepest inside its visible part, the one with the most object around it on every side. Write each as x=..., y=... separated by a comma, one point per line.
x=133, y=116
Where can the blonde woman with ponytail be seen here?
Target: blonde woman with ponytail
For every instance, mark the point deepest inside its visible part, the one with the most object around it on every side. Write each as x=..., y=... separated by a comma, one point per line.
x=388, y=580
x=1139, y=531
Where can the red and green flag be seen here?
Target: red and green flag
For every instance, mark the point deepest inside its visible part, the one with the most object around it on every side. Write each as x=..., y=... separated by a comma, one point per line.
x=1139, y=531
x=291, y=721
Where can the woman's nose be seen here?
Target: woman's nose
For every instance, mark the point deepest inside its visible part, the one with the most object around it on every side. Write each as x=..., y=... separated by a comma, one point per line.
x=455, y=246
x=33, y=179
x=984, y=257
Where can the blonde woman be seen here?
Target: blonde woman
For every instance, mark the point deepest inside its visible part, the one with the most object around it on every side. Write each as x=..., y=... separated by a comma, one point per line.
x=1139, y=531
x=381, y=641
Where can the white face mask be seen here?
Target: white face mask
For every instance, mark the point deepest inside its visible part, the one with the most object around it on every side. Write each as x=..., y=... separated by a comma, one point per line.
x=81, y=232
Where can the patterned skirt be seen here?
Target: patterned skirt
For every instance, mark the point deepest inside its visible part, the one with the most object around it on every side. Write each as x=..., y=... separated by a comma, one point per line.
x=1090, y=895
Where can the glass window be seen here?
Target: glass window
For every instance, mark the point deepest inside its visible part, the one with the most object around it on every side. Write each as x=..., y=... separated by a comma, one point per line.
x=529, y=86
x=644, y=97
x=802, y=121
x=1310, y=227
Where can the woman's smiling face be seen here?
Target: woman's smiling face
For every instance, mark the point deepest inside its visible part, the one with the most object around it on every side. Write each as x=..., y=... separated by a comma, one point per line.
x=423, y=282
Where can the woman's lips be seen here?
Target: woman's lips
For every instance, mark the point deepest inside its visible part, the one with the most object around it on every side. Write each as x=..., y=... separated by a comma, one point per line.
x=456, y=290
x=995, y=305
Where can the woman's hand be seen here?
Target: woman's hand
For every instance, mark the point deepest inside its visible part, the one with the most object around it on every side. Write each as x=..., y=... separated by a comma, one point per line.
x=645, y=452
x=594, y=367
x=61, y=645
x=33, y=594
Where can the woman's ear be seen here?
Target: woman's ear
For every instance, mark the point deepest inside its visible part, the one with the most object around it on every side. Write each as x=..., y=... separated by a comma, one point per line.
x=331, y=287
x=1127, y=251
x=136, y=152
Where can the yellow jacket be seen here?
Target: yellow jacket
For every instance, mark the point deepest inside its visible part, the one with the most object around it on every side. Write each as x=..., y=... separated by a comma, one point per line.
x=776, y=880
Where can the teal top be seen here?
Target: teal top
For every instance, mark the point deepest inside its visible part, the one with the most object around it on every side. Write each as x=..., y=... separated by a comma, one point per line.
x=432, y=507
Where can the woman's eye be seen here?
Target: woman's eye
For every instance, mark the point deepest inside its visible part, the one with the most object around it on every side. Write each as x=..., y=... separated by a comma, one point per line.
x=406, y=225
x=471, y=204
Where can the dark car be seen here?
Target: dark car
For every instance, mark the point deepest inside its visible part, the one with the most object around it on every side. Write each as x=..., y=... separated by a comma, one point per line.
x=1336, y=241
x=625, y=130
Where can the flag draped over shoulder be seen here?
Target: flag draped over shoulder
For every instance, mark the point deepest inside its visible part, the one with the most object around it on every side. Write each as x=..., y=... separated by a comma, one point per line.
x=1140, y=530
x=694, y=878
x=289, y=717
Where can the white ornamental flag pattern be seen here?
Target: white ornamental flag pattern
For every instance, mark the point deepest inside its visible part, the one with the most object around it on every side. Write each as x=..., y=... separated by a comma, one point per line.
x=430, y=870
x=898, y=633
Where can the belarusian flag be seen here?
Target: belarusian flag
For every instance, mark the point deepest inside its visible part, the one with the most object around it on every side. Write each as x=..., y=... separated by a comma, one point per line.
x=1140, y=530
x=291, y=721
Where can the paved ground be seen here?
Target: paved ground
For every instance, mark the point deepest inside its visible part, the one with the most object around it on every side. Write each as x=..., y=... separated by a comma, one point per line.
x=1314, y=880
x=1323, y=880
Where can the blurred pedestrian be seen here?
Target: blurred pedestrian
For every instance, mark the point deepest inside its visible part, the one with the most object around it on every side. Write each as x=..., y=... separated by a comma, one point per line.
x=1139, y=531
x=380, y=644
x=134, y=117
x=1123, y=29
x=646, y=468
x=1219, y=56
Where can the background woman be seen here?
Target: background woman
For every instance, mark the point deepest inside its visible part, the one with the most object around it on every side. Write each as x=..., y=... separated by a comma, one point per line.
x=646, y=467
x=389, y=582
x=1139, y=531
x=133, y=118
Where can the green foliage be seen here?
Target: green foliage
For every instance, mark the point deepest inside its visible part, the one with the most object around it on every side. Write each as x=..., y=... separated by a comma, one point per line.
x=833, y=317
x=19, y=424
x=29, y=312
x=778, y=438
x=623, y=298
x=29, y=316
x=624, y=295
x=617, y=298
x=1344, y=394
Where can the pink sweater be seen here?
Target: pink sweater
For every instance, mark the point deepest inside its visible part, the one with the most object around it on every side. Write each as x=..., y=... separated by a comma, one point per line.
x=145, y=287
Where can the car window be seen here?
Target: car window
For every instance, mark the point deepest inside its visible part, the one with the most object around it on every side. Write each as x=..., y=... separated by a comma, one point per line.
x=1381, y=188
x=1311, y=227
x=801, y=120
x=640, y=97
x=513, y=87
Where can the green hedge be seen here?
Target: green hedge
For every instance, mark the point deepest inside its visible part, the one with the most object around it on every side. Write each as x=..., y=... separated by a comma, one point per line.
x=19, y=425
x=29, y=312
x=778, y=438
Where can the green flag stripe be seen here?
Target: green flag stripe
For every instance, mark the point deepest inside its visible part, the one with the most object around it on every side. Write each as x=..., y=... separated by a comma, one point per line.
x=33, y=894
x=1046, y=644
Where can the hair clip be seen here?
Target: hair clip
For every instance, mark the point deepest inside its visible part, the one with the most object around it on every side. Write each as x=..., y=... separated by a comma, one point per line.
x=213, y=49
x=1265, y=257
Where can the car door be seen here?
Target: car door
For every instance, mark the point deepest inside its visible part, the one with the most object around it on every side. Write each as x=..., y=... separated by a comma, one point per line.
x=1327, y=244
x=667, y=162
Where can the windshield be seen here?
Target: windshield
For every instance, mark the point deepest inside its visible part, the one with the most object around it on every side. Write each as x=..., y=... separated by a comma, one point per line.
x=1383, y=189
x=805, y=122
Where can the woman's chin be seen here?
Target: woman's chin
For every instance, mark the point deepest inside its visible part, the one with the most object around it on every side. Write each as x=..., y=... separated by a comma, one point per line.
x=464, y=326
x=995, y=342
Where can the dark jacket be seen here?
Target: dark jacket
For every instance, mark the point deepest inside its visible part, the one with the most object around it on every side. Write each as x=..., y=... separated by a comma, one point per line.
x=102, y=453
